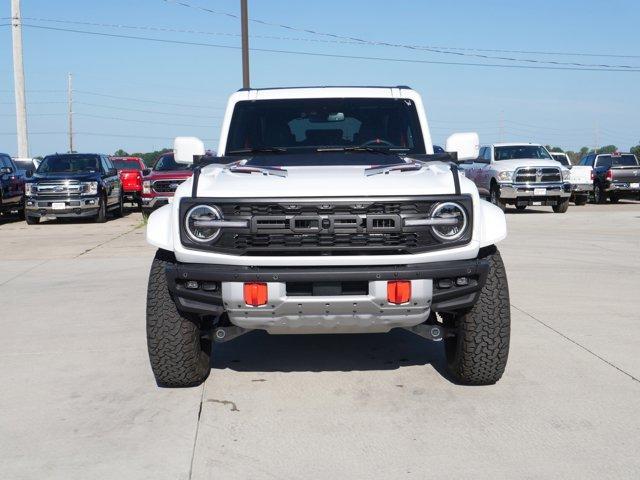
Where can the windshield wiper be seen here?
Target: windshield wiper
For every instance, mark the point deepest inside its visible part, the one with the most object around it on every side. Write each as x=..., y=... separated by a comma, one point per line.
x=363, y=148
x=258, y=150
x=386, y=169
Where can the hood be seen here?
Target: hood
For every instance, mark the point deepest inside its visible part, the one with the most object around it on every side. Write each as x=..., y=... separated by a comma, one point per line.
x=323, y=181
x=79, y=176
x=511, y=165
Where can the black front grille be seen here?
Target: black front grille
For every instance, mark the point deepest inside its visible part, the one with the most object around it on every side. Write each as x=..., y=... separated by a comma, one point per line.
x=538, y=175
x=166, y=186
x=330, y=226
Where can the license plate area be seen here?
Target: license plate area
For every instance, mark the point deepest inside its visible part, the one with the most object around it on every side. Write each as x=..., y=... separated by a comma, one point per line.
x=58, y=205
x=634, y=185
x=327, y=289
x=539, y=192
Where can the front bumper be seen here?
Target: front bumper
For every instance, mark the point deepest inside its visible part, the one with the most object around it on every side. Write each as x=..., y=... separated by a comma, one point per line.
x=542, y=192
x=151, y=203
x=85, y=206
x=220, y=289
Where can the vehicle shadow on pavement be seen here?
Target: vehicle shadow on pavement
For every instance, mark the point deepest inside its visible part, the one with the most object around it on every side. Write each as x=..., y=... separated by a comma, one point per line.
x=260, y=352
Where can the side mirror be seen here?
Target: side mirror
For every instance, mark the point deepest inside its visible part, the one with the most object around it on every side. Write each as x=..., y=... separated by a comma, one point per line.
x=186, y=148
x=29, y=173
x=146, y=171
x=466, y=145
x=6, y=170
x=112, y=172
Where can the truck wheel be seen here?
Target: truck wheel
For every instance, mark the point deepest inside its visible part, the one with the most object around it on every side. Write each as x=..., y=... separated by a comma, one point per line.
x=561, y=207
x=119, y=211
x=599, y=195
x=477, y=355
x=179, y=356
x=101, y=216
x=614, y=198
x=580, y=200
x=31, y=220
x=494, y=197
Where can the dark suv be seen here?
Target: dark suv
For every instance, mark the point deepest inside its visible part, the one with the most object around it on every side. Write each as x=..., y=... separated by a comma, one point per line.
x=73, y=185
x=11, y=186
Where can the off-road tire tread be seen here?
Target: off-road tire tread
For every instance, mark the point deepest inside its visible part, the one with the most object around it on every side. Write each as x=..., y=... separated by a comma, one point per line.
x=173, y=340
x=478, y=354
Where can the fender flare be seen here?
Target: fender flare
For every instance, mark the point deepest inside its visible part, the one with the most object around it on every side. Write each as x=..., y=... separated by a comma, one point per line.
x=493, y=228
x=160, y=228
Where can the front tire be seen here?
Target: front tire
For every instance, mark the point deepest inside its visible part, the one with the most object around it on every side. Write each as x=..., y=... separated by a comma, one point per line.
x=581, y=200
x=101, y=216
x=561, y=207
x=494, y=197
x=478, y=354
x=31, y=220
x=179, y=356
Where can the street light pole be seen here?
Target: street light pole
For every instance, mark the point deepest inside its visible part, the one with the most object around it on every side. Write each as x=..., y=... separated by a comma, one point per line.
x=244, y=20
x=70, y=102
x=18, y=80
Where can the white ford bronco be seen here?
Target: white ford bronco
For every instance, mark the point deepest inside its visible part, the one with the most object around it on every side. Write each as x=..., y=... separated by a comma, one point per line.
x=326, y=211
x=520, y=174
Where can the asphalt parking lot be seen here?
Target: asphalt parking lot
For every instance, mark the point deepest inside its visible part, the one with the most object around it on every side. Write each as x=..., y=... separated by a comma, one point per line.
x=79, y=399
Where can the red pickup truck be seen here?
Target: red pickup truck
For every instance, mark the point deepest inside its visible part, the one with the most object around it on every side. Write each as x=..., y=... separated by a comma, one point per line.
x=160, y=182
x=130, y=172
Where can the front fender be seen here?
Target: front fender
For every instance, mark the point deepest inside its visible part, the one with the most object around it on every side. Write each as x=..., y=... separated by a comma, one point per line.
x=160, y=228
x=494, y=224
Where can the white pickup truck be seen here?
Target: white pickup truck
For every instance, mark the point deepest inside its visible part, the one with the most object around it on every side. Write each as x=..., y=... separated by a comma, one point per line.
x=580, y=178
x=327, y=212
x=520, y=174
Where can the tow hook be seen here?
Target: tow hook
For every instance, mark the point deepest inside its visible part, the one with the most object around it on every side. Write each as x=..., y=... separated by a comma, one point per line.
x=224, y=334
x=432, y=331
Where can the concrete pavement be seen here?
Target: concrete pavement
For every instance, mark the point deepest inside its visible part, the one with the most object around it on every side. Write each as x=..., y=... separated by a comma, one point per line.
x=79, y=399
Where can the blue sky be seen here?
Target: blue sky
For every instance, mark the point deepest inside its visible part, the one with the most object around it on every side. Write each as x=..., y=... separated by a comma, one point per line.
x=191, y=83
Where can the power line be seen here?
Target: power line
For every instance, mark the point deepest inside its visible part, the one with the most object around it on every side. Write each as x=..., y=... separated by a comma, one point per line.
x=142, y=121
x=133, y=99
x=154, y=112
x=328, y=55
x=433, y=49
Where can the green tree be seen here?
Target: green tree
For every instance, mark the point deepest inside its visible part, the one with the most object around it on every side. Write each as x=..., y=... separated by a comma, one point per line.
x=554, y=149
x=636, y=150
x=120, y=153
x=608, y=149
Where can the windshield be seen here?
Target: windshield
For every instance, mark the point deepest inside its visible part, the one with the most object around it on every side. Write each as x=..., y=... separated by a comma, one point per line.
x=617, y=161
x=562, y=158
x=126, y=164
x=515, y=152
x=69, y=164
x=312, y=125
x=167, y=163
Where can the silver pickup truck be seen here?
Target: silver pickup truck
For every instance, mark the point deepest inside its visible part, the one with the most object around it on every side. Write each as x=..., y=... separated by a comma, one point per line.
x=520, y=174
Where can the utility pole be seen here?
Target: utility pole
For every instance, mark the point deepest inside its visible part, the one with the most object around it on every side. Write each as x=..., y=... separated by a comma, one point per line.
x=502, y=126
x=70, y=102
x=18, y=80
x=244, y=20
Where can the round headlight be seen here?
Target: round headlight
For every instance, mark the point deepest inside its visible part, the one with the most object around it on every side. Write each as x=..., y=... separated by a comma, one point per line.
x=455, y=224
x=197, y=223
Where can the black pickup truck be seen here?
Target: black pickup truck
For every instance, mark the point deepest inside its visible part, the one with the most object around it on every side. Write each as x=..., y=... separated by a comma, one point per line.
x=615, y=176
x=73, y=185
x=11, y=186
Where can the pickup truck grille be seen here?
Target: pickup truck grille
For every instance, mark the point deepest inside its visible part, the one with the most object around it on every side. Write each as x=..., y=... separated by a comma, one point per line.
x=58, y=189
x=537, y=175
x=167, y=186
x=329, y=226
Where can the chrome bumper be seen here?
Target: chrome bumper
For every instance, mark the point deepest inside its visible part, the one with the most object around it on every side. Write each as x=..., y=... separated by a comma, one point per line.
x=370, y=313
x=514, y=191
x=623, y=187
x=582, y=187
x=155, y=202
x=74, y=206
